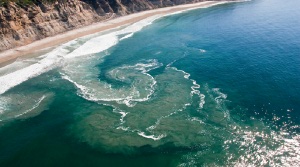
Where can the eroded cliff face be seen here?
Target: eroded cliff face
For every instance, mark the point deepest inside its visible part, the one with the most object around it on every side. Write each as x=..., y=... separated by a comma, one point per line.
x=21, y=25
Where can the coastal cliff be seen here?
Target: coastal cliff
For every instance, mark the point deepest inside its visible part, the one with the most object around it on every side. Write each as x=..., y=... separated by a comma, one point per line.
x=21, y=24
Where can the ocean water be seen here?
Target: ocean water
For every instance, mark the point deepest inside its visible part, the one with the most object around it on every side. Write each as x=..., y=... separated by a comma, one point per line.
x=209, y=87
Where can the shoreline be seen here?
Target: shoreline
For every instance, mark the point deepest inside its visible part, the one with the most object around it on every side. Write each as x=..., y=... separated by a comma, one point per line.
x=10, y=55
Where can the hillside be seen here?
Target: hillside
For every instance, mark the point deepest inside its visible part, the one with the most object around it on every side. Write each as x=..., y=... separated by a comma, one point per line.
x=22, y=22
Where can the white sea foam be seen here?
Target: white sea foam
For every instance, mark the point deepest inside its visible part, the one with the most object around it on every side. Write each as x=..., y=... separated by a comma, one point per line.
x=202, y=101
x=93, y=89
x=3, y=106
x=143, y=134
x=128, y=101
x=220, y=100
x=199, y=7
x=152, y=127
x=194, y=88
x=221, y=96
x=202, y=50
x=123, y=128
x=84, y=90
x=17, y=65
x=135, y=27
x=195, y=119
x=95, y=45
x=123, y=116
x=185, y=106
x=104, y=42
x=33, y=107
x=52, y=60
x=153, y=137
x=144, y=67
x=126, y=36
x=19, y=104
x=56, y=57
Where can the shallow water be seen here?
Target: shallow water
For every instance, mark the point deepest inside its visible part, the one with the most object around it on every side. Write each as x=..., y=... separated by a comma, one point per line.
x=208, y=87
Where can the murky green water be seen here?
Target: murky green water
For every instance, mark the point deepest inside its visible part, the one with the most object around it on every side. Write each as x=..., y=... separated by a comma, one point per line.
x=210, y=87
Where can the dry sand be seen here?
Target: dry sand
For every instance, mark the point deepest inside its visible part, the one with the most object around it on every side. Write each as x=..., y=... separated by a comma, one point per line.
x=9, y=55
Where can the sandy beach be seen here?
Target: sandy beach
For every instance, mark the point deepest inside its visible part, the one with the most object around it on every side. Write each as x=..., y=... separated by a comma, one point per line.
x=12, y=54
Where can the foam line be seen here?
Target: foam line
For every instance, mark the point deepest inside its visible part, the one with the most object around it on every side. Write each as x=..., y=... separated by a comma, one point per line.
x=34, y=107
x=55, y=58
x=51, y=61
x=126, y=36
x=221, y=96
x=194, y=87
x=153, y=137
x=95, y=45
x=95, y=90
x=104, y=42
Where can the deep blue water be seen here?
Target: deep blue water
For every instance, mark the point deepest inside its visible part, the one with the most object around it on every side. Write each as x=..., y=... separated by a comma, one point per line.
x=209, y=87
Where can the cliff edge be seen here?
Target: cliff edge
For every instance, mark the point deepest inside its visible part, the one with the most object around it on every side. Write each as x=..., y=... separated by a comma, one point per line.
x=21, y=24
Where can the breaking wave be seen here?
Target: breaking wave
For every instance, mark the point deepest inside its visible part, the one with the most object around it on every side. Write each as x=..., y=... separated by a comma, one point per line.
x=58, y=56
x=52, y=60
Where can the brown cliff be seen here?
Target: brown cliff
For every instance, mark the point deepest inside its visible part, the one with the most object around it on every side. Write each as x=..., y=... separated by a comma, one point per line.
x=23, y=24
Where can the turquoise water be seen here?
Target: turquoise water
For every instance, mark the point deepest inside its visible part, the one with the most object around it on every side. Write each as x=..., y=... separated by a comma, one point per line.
x=209, y=87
